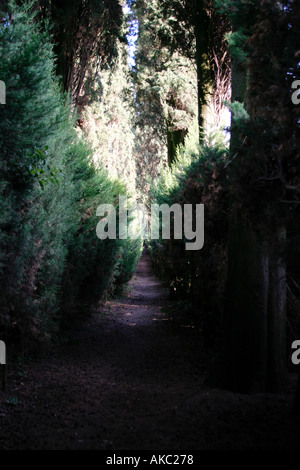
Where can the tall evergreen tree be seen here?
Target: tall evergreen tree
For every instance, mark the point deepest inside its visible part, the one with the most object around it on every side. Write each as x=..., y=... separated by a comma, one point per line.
x=198, y=30
x=49, y=194
x=109, y=119
x=166, y=91
x=263, y=44
x=84, y=36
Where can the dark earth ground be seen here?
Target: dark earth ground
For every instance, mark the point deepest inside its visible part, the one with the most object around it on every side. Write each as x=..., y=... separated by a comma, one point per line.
x=133, y=378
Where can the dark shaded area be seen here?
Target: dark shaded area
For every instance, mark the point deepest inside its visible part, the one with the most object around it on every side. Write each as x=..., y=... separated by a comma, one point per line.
x=133, y=378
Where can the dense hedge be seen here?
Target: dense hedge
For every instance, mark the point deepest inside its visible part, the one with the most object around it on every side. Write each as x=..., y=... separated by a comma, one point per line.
x=197, y=277
x=50, y=256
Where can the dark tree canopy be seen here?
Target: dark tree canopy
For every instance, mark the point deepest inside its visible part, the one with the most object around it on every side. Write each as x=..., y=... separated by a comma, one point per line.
x=82, y=126
x=84, y=36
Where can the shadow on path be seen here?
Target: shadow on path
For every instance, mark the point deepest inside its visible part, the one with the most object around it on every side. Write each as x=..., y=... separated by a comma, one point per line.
x=131, y=378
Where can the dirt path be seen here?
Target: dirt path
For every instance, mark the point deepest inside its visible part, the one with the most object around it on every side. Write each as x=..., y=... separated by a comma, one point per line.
x=132, y=378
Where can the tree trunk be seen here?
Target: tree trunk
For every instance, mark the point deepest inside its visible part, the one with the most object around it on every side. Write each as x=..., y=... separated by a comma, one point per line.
x=174, y=139
x=246, y=311
x=64, y=13
x=255, y=314
x=204, y=76
x=277, y=314
x=255, y=295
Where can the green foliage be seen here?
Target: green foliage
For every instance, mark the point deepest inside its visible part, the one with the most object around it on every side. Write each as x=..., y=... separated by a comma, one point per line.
x=265, y=125
x=50, y=256
x=42, y=170
x=236, y=41
x=85, y=36
x=239, y=113
x=108, y=121
x=27, y=70
x=166, y=93
x=95, y=268
x=197, y=177
x=239, y=11
x=264, y=189
x=242, y=15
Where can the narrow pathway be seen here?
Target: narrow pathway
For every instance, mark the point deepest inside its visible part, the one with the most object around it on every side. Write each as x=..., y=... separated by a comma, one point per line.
x=132, y=378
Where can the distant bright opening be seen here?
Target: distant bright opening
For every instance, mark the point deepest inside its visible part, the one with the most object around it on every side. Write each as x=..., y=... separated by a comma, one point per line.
x=133, y=34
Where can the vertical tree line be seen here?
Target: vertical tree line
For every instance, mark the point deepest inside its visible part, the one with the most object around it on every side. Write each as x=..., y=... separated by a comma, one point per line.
x=78, y=124
x=53, y=267
x=267, y=149
x=247, y=50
